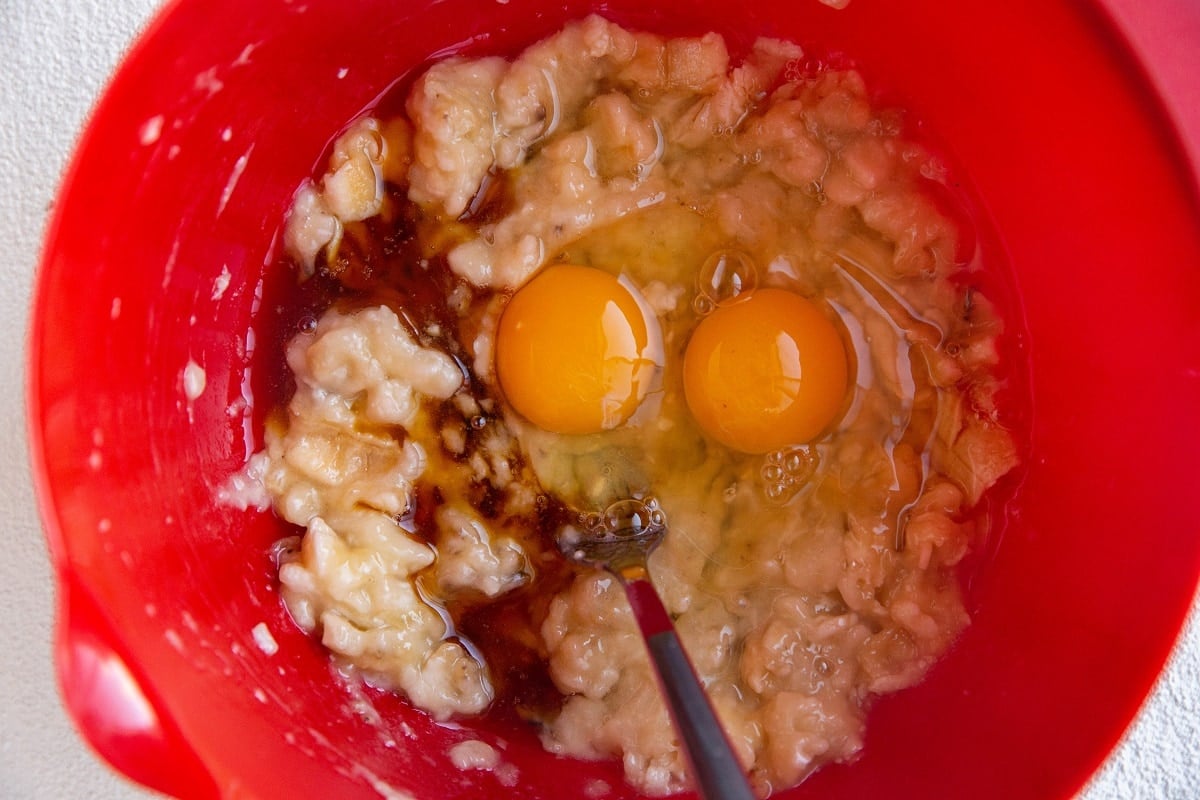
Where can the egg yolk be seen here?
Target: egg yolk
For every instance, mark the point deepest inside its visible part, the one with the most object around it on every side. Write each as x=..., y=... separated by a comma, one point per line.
x=765, y=372
x=576, y=351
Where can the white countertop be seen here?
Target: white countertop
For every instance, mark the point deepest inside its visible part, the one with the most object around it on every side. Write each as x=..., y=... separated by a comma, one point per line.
x=55, y=57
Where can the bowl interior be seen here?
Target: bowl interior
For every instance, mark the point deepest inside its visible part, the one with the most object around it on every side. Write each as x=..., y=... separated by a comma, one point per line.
x=160, y=256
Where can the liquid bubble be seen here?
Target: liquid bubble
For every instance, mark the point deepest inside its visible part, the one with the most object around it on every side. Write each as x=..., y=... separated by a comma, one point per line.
x=633, y=517
x=785, y=471
x=593, y=523
x=725, y=275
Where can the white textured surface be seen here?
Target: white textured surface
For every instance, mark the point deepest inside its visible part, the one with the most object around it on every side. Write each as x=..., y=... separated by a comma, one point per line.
x=55, y=57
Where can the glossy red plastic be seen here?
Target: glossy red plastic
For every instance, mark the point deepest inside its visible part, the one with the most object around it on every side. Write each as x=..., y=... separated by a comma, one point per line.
x=175, y=656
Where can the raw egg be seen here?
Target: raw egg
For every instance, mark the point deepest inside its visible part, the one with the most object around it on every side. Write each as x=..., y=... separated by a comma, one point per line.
x=766, y=371
x=577, y=350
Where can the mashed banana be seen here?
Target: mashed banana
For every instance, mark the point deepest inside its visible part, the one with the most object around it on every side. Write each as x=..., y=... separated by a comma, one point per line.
x=802, y=582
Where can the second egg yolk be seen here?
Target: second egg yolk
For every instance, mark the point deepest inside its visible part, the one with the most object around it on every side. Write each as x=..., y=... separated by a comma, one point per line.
x=576, y=352
x=765, y=372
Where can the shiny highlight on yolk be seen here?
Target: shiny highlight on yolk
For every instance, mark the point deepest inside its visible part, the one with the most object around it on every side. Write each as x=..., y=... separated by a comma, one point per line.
x=765, y=372
x=576, y=352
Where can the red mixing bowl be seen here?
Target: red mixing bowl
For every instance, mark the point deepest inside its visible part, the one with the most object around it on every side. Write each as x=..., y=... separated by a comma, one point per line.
x=158, y=257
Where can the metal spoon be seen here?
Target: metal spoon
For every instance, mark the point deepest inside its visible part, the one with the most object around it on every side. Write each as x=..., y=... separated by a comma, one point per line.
x=620, y=540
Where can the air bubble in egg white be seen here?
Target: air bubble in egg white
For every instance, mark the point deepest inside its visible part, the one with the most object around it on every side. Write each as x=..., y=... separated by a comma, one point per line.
x=725, y=275
x=785, y=471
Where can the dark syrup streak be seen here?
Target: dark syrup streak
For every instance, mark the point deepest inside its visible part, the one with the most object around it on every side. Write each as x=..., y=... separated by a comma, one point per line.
x=381, y=262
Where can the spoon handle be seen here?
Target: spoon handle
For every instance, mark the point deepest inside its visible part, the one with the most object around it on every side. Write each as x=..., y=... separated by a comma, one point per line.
x=718, y=774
